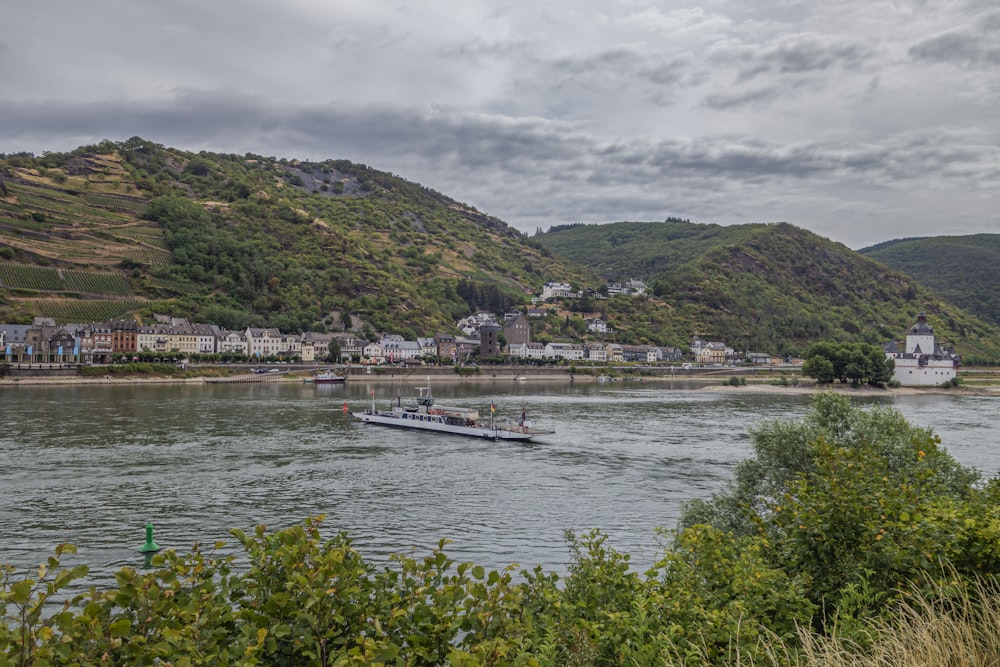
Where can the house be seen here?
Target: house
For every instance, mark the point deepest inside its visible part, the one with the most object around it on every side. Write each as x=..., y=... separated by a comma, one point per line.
x=615, y=353
x=527, y=350
x=517, y=330
x=351, y=347
x=101, y=349
x=465, y=347
x=207, y=338
x=263, y=342
x=48, y=342
x=644, y=354
x=373, y=353
x=597, y=325
x=232, y=342
x=446, y=346
x=470, y=325
x=397, y=350
x=598, y=353
x=568, y=351
x=632, y=287
x=290, y=347
x=670, y=353
x=123, y=335
x=553, y=290
x=428, y=347
x=923, y=362
x=15, y=336
x=712, y=352
x=182, y=340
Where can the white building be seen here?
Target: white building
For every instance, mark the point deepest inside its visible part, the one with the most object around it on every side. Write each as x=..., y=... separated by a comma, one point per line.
x=597, y=325
x=232, y=342
x=552, y=290
x=263, y=342
x=568, y=351
x=924, y=363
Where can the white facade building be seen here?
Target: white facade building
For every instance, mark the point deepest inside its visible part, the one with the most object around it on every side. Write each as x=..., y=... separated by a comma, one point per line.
x=552, y=290
x=924, y=363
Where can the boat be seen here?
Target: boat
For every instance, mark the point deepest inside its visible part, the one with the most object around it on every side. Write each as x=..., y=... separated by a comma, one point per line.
x=326, y=377
x=425, y=415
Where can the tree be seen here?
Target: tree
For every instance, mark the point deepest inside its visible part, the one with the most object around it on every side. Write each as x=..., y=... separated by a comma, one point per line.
x=848, y=362
x=856, y=498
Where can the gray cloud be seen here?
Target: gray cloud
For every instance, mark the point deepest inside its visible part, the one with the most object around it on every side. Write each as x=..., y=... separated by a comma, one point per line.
x=961, y=48
x=825, y=116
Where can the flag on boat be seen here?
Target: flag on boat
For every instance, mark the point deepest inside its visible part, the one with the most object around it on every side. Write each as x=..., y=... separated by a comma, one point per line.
x=373, y=393
x=493, y=408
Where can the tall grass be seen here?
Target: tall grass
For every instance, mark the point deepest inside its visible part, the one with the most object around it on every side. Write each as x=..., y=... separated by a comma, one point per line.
x=947, y=630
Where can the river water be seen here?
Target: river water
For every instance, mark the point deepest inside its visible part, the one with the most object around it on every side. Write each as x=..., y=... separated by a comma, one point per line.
x=91, y=465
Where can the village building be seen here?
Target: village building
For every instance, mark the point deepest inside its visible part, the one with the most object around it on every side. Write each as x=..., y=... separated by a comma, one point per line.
x=263, y=342
x=232, y=342
x=446, y=346
x=922, y=362
x=554, y=290
x=517, y=329
x=631, y=287
x=597, y=325
x=568, y=351
x=351, y=347
x=207, y=338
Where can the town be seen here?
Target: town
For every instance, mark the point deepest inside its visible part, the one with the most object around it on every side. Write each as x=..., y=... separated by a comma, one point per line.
x=478, y=337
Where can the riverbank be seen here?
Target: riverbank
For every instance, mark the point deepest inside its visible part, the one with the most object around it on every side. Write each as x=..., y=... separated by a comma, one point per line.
x=697, y=383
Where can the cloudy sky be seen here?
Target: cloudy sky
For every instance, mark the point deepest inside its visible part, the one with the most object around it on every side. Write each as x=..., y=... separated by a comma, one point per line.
x=861, y=120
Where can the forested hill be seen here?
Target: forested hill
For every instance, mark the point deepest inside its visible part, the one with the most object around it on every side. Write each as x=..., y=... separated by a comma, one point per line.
x=963, y=269
x=772, y=287
x=134, y=227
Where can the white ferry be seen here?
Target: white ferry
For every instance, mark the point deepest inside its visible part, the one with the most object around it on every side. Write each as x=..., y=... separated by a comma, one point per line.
x=326, y=377
x=427, y=416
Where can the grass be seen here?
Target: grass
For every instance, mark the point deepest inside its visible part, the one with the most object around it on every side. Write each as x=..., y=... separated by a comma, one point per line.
x=948, y=630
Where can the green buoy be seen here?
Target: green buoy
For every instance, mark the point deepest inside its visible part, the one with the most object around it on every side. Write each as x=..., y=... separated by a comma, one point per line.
x=150, y=546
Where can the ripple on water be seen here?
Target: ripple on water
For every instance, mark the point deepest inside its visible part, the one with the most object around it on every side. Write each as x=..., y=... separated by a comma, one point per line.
x=198, y=461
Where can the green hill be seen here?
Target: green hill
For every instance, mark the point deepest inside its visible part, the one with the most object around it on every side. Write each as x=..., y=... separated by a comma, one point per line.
x=962, y=269
x=135, y=227
x=767, y=287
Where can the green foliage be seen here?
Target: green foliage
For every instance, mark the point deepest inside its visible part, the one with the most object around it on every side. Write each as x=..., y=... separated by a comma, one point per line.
x=772, y=287
x=962, y=269
x=856, y=363
x=260, y=239
x=854, y=498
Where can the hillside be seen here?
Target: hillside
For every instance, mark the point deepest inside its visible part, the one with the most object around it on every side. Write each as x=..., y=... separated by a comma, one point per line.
x=962, y=269
x=767, y=287
x=624, y=250
x=134, y=228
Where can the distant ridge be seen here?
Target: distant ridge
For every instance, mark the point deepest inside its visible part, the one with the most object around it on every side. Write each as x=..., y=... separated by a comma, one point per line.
x=963, y=269
x=771, y=286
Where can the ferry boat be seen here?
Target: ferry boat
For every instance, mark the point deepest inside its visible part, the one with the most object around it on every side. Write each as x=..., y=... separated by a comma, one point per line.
x=326, y=377
x=427, y=416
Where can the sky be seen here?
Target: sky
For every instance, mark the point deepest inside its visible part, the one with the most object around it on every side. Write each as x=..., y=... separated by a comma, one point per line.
x=859, y=120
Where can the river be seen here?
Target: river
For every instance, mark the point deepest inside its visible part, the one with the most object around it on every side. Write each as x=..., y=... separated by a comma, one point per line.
x=91, y=465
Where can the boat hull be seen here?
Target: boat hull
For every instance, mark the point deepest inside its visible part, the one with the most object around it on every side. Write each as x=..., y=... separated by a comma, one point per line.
x=496, y=432
x=326, y=379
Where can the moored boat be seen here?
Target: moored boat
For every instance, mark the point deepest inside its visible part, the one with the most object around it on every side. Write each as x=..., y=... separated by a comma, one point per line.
x=426, y=416
x=326, y=377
